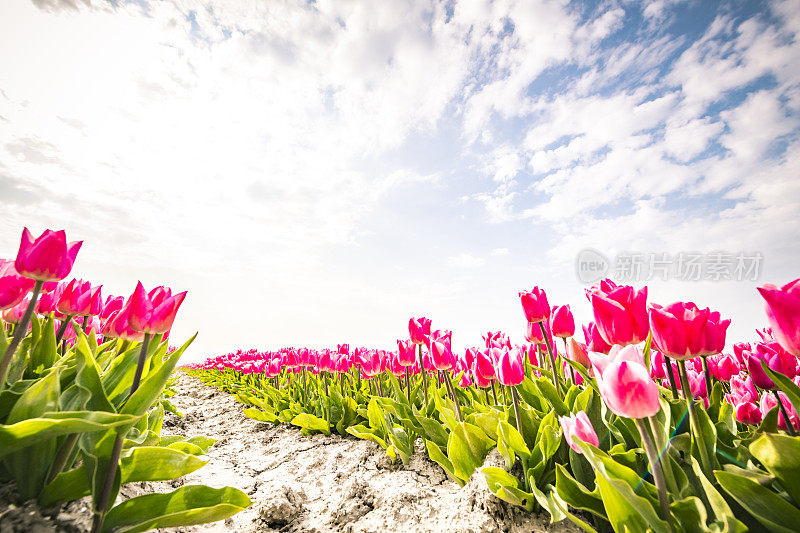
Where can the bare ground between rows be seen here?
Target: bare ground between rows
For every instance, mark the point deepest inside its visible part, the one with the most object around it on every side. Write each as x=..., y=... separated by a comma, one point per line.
x=303, y=483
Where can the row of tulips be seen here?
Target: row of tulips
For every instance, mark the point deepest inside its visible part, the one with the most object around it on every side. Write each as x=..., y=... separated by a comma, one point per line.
x=646, y=425
x=84, y=386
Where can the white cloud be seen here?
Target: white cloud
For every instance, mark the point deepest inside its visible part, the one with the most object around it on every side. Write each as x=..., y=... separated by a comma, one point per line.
x=499, y=252
x=465, y=260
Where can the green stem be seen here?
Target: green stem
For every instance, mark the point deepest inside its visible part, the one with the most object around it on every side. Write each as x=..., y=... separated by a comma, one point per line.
x=113, y=463
x=707, y=373
x=408, y=385
x=63, y=328
x=556, y=380
x=424, y=377
x=789, y=426
x=63, y=455
x=658, y=474
x=449, y=384
x=697, y=434
x=663, y=448
x=19, y=332
x=672, y=385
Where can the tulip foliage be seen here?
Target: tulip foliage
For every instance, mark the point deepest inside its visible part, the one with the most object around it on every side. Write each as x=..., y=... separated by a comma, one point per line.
x=646, y=425
x=82, y=402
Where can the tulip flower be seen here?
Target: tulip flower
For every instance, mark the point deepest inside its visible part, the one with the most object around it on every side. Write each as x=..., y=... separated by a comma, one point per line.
x=79, y=298
x=13, y=286
x=562, y=323
x=441, y=353
x=578, y=425
x=748, y=413
x=577, y=352
x=154, y=312
x=48, y=257
x=616, y=353
x=510, y=368
x=723, y=366
x=627, y=388
x=594, y=341
x=533, y=333
x=13, y=315
x=419, y=329
x=783, y=314
x=534, y=305
x=679, y=329
x=112, y=303
x=620, y=312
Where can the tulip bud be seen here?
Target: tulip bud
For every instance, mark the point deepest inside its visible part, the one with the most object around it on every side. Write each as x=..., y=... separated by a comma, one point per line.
x=534, y=305
x=620, y=312
x=562, y=324
x=419, y=329
x=628, y=390
x=578, y=425
x=46, y=258
x=510, y=368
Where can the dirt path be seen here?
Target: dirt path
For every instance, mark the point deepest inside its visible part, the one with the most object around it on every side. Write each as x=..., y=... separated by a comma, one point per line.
x=316, y=483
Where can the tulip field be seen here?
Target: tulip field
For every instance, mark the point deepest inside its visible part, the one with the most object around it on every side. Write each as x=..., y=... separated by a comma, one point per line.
x=648, y=424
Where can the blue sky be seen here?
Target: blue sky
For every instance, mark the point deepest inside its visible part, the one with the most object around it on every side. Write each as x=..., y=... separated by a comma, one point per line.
x=315, y=173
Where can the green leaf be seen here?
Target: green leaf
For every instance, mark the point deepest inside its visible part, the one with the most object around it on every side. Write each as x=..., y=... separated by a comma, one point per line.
x=261, y=416
x=436, y=455
x=467, y=447
x=786, y=385
x=510, y=443
x=775, y=513
x=44, y=354
x=151, y=388
x=146, y=463
x=186, y=506
x=30, y=466
x=506, y=487
x=780, y=454
x=548, y=390
x=311, y=423
x=22, y=434
x=576, y=494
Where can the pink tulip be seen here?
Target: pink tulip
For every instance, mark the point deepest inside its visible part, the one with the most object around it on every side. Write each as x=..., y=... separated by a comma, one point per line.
x=496, y=339
x=714, y=334
x=419, y=329
x=406, y=352
x=723, y=367
x=594, y=341
x=48, y=257
x=117, y=326
x=562, y=323
x=13, y=286
x=343, y=349
x=617, y=353
x=620, y=312
x=483, y=365
x=534, y=305
x=628, y=390
x=13, y=315
x=679, y=329
x=748, y=413
x=48, y=300
x=479, y=378
x=578, y=425
x=510, y=368
x=578, y=353
x=154, y=312
x=79, y=298
x=743, y=389
x=441, y=353
x=113, y=303
x=533, y=333
x=783, y=313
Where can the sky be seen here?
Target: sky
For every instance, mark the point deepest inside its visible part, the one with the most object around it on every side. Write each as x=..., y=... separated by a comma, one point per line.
x=318, y=172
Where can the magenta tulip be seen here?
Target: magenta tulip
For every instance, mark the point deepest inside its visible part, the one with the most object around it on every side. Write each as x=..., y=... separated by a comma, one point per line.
x=510, y=368
x=534, y=305
x=578, y=353
x=620, y=312
x=406, y=352
x=79, y=298
x=578, y=425
x=748, y=413
x=154, y=312
x=562, y=323
x=628, y=390
x=594, y=341
x=48, y=257
x=419, y=329
x=679, y=329
x=783, y=313
x=13, y=286
x=441, y=353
